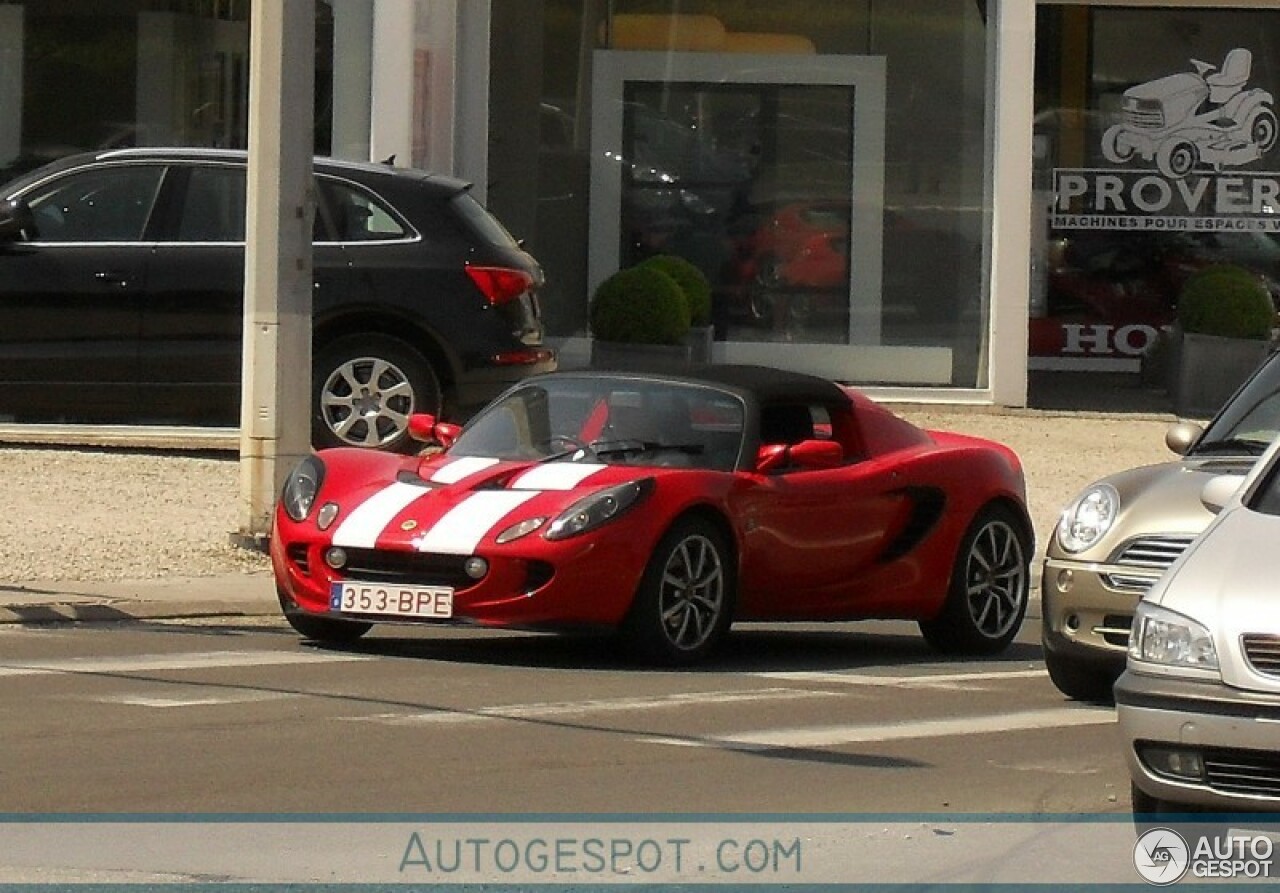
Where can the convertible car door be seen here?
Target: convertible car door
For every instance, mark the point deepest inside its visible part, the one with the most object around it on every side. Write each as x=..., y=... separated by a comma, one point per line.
x=812, y=535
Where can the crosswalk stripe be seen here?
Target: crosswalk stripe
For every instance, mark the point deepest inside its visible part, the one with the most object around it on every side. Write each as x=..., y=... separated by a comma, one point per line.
x=576, y=708
x=831, y=736
x=923, y=680
x=145, y=663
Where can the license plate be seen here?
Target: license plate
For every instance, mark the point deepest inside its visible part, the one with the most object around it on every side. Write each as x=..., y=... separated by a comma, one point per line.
x=352, y=597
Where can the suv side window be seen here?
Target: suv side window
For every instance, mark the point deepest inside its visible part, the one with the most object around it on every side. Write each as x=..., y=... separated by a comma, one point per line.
x=213, y=209
x=358, y=216
x=109, y=204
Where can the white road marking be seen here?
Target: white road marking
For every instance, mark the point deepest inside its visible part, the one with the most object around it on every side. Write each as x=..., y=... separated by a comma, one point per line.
x=832, y=736
x=195, y=701
x=147, y=663
x=553, y=709
x=937, y=680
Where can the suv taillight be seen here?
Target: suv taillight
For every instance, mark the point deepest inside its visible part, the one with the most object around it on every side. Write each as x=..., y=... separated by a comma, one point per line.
x=500, y=284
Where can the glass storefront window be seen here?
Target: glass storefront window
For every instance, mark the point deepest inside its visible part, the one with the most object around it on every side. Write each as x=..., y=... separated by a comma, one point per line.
x=841, y=219
x=1154, y=159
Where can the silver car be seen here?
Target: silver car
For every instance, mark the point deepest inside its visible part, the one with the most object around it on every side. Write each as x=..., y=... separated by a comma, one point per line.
x=1120, y=533
x=1199, y=704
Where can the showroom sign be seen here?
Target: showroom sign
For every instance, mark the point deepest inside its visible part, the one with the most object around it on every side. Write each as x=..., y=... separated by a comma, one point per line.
x=1176, y=136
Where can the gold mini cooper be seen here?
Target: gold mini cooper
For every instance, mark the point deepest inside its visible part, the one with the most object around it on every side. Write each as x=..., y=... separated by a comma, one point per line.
x=1116, y=537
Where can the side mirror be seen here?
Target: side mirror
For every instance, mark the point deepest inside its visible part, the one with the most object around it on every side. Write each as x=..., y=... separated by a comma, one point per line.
x=1219, y=490
x=808, y=454
x=15, y=219
x=1180, y=437
x=424, y=428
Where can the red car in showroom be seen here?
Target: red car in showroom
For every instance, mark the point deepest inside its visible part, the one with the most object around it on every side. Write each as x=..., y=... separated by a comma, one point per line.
x=664, y=508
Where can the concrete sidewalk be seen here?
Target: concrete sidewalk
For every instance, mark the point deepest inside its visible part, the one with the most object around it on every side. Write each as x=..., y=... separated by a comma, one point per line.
x=169, y=598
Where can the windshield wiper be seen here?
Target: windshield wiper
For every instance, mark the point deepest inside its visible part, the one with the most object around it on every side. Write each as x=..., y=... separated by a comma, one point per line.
x=609, y=447
x=1244, y=445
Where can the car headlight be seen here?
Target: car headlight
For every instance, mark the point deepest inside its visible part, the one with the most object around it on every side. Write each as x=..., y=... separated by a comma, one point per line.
x=301, y=487
x=597, y=509
x=1169, y=639
x=1087, y=519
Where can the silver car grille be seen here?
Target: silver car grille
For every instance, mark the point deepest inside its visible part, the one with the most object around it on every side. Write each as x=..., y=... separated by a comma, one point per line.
x=1252, y=773
x=1152, y=554
x=1263, y=652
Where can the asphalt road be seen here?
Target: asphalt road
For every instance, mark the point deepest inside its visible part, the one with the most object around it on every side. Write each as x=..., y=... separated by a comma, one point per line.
x=825, y=718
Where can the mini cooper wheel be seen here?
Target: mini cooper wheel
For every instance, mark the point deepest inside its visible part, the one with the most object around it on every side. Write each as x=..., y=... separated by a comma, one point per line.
x=684, y=604
x=321, y=629
x=989, y=588
x=1079, y=680
x=366, y=387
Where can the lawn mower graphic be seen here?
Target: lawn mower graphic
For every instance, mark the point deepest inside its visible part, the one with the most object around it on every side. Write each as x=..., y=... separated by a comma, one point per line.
x=1188, y=119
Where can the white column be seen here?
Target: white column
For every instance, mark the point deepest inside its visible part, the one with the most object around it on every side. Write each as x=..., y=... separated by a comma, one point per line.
x=1012, y=44
x=392, y=79
x=471, y=137
x=436, y=85
x=10, y=83
x=275, y=429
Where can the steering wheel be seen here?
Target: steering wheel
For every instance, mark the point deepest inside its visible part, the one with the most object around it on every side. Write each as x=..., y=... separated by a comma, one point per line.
x=571, y=441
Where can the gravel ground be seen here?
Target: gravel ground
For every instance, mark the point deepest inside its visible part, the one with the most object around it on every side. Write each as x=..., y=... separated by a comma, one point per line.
x=118, y=515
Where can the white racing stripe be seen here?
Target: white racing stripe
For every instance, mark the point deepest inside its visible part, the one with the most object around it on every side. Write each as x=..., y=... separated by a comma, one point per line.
x=554, y=709
x=556, y=476
x=150, y=663
x=361, y=528
x=832, y=736
x=460, y=529
x=456, y=469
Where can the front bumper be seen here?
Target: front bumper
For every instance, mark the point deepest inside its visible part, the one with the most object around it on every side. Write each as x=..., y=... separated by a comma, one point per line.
x=1088, y=608
x=1235, y=733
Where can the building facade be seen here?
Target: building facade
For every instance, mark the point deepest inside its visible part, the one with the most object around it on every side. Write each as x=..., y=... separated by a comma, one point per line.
x=928, y=198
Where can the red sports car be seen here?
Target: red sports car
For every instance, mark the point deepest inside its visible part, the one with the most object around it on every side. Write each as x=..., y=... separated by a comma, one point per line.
x=662, y=507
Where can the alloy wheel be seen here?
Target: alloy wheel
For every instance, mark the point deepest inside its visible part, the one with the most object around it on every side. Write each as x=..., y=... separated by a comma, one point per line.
x=692, y=594
x=995, y=579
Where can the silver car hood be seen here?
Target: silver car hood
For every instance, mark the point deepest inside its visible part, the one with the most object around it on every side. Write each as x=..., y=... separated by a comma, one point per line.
x=1227, y=581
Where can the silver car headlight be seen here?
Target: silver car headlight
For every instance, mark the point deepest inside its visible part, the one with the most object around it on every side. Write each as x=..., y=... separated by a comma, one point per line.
x=597, y=509
x=301, y=487
x=1169, y=639
x=1087, y=519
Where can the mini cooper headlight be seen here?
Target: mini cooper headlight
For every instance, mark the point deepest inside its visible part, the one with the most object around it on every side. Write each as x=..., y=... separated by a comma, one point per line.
x=301, y=487
x=1087, y=519
x=1169, y=639
x=597, y=509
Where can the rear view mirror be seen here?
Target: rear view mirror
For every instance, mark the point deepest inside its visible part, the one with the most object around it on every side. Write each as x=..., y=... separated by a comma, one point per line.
x=1219, y=490
x=1180, y=437
x=15, y=219
x=424, y=428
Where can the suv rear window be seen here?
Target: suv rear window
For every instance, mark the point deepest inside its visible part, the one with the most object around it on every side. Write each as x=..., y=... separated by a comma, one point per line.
x=359, y=216
x=481, y=222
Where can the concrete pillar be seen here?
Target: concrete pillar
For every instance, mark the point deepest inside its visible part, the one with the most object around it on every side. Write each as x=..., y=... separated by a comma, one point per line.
x=392, y=99
x=275, y=417
x=10, y=83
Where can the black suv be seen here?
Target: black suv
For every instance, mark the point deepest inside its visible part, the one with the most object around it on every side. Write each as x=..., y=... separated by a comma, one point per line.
x=122, y=284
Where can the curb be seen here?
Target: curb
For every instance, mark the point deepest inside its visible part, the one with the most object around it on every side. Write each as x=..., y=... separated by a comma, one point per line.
x=125, y=612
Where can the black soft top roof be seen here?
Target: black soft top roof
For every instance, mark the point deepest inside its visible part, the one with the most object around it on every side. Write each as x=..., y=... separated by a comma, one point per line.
x=768, y=385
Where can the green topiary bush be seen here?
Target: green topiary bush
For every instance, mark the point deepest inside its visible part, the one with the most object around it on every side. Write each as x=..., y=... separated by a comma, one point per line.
x=640, y=305
x=692, y=281
x=1227, y=301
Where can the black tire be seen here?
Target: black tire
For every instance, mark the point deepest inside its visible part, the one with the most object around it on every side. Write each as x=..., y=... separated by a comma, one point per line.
x=364, y=389
x=989, y=587
x=1080, y=680
x=321, y=629
x=670, y=622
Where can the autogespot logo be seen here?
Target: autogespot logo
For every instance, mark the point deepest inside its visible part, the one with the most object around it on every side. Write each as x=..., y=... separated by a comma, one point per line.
x=1161, y=856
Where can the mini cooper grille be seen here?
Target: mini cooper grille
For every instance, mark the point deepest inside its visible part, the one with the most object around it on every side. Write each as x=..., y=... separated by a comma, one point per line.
x=1263, y=652
x=1153, y=552
x=1254, y=773
x=408, y=568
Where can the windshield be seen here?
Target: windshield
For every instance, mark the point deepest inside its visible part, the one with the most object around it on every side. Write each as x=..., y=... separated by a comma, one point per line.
x=1251, y=420
x=611, y=420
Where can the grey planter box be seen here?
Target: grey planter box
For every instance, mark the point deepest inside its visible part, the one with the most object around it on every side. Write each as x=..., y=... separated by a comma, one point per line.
x=700, y=339
x=1208, y=369
x=626, y=357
